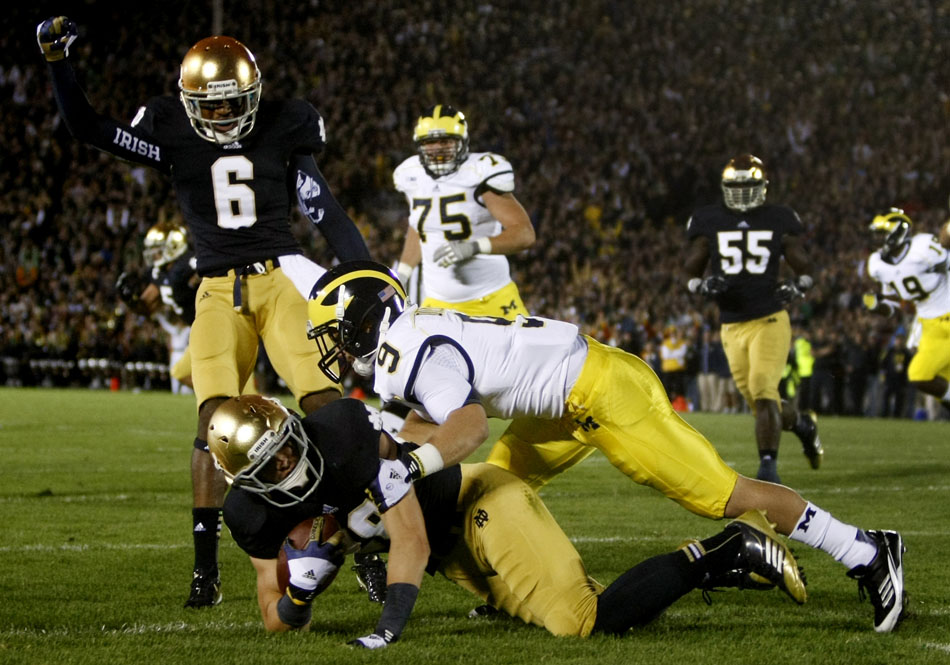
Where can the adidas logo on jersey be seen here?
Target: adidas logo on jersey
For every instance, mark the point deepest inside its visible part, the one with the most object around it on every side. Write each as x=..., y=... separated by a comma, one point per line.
x=233, y=146
x=743, y=224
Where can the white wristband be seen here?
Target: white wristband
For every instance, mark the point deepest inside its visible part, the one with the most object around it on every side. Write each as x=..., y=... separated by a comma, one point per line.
x=484, y=245
x=404, y=272
x=694, y=284
x=430, y=459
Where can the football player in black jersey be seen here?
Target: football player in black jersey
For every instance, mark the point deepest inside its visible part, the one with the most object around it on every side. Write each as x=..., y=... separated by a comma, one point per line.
x=172, y=283
x=477, y=524
x=744, y=240
x=235, y=158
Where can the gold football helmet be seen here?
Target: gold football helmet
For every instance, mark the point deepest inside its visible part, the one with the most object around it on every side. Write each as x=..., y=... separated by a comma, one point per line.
x=220, y=88
x=352, y=305
x=744, y=183
x=441, y=138
x=247, y=435
x=164, y=243
x=894, y=226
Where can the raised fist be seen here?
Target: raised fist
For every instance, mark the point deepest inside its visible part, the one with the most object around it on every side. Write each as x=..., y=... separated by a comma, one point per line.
x=54, y=35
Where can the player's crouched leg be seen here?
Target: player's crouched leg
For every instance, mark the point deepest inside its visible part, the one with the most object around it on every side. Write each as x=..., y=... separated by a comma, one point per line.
x=514, y=555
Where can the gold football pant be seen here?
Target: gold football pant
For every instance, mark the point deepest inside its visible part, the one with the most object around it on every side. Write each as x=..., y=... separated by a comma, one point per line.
x=933, y=353
x=224, y=339
x=505, y=303
x=181, y=371
x=757, y=352
x=513, y=555
x=619, y=407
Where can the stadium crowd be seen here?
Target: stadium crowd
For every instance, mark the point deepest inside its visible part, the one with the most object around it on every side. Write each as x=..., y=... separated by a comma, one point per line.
x=618, y=118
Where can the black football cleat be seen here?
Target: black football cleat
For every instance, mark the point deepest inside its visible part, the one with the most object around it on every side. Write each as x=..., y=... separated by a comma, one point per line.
x=370, y=572
x=806, y=429
x=483, y=612
x=882, y=580
x=205, y=590
x=763, y=560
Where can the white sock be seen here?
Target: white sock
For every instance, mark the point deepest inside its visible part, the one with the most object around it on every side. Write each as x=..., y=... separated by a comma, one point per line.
x=846, y=543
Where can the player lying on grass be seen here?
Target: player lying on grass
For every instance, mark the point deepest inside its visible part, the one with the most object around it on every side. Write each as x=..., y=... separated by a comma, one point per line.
x=476, y=524
x=567, y=395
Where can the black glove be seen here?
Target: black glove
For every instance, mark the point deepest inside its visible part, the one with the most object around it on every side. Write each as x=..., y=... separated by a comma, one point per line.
x=54, y=35
x=129, y=287
x=404, y=455
x=713, y=286
x=793, y=289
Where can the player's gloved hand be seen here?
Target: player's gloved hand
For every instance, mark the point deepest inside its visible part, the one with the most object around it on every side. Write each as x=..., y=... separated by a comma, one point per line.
x=404, y=453
x=391, y=485
x=371, y=641
x=712, y=287
x=313, y=568
x=869, y=300
x=793, y=289
x=454, y=251
x=54, y=35
x=787, y=291
x=129, y=287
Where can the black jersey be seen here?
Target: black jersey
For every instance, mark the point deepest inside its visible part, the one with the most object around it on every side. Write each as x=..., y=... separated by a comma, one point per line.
x=746, y=248
x=177, y=284
x=235, y=198
x=348, y=440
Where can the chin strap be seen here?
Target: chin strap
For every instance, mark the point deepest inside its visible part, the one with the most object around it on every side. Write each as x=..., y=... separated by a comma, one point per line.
x=383, y=326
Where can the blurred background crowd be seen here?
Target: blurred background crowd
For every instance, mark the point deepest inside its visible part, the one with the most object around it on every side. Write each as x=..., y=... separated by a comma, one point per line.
x=617, y=116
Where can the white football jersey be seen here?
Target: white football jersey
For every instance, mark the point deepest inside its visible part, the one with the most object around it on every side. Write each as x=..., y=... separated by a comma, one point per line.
x=918, y=276
x=450, y=208
x=437, y=360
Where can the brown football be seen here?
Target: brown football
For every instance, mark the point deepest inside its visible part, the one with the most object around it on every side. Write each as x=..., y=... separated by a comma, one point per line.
x=319, y=528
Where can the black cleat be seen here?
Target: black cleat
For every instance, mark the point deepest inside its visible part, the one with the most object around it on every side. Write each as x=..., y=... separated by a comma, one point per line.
x=483, y=612
x=882, y=580
x=806, y=429
x=370, y=572
x=205, y=589
x=763, y=561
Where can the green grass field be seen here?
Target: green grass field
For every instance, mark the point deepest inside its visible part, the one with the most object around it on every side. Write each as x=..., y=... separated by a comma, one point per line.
x=96, y=553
